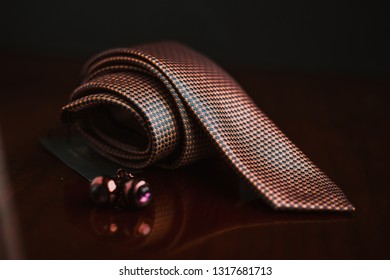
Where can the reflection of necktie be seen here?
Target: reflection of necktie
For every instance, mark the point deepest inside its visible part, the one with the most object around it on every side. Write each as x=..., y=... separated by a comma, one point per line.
x=180, y=102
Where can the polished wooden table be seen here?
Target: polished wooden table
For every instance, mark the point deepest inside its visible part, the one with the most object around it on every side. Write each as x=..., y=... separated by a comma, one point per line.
x=199, y=212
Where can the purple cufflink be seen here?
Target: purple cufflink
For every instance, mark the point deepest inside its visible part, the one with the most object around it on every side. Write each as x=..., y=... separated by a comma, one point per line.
x=124, y=190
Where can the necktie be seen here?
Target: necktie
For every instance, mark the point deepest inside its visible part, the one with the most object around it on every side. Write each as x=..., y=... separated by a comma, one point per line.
x=168, y=105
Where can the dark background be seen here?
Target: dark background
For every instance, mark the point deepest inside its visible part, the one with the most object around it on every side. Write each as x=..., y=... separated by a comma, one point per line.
x=319, y=70
x=335, y=36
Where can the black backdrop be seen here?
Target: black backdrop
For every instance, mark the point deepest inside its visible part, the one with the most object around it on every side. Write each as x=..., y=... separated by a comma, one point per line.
x=282, y=34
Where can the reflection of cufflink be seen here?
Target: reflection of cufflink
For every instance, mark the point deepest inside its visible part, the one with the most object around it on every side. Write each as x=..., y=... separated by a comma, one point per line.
x=124, y=190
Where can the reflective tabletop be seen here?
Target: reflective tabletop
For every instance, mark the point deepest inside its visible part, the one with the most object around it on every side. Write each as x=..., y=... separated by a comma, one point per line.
x=201, y=211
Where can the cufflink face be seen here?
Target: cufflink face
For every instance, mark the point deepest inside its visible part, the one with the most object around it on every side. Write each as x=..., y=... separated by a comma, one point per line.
x=124, y=191
x=143, y=194
x=137, y=193
x=103, y=190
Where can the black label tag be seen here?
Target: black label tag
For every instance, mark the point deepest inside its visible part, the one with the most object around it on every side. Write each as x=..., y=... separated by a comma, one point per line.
x=76, y=153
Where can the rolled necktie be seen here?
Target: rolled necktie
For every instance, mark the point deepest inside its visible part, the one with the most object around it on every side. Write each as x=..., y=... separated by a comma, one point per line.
x=167, y=105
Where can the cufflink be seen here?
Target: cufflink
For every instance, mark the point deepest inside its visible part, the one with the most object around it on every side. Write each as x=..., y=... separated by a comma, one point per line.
x=122, y=191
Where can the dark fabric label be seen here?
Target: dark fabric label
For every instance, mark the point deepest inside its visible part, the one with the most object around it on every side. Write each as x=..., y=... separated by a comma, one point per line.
x=76, y=153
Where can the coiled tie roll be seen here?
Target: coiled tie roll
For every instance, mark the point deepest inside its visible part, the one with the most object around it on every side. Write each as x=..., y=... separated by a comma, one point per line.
x=166, y=104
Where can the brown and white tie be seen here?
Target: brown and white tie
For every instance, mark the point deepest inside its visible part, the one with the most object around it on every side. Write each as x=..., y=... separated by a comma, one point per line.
x=168, y=105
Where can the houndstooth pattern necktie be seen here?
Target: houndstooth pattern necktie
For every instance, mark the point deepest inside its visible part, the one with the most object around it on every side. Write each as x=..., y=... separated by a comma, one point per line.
x=183, y=104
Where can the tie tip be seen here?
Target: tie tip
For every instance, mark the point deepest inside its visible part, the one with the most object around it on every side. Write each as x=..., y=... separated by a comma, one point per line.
x=319, y=208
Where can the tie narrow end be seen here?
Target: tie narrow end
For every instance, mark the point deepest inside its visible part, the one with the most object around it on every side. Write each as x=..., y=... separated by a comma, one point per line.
x=313, y=208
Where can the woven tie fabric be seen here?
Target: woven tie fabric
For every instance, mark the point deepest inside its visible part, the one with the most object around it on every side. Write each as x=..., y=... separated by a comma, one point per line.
x=182, y=104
